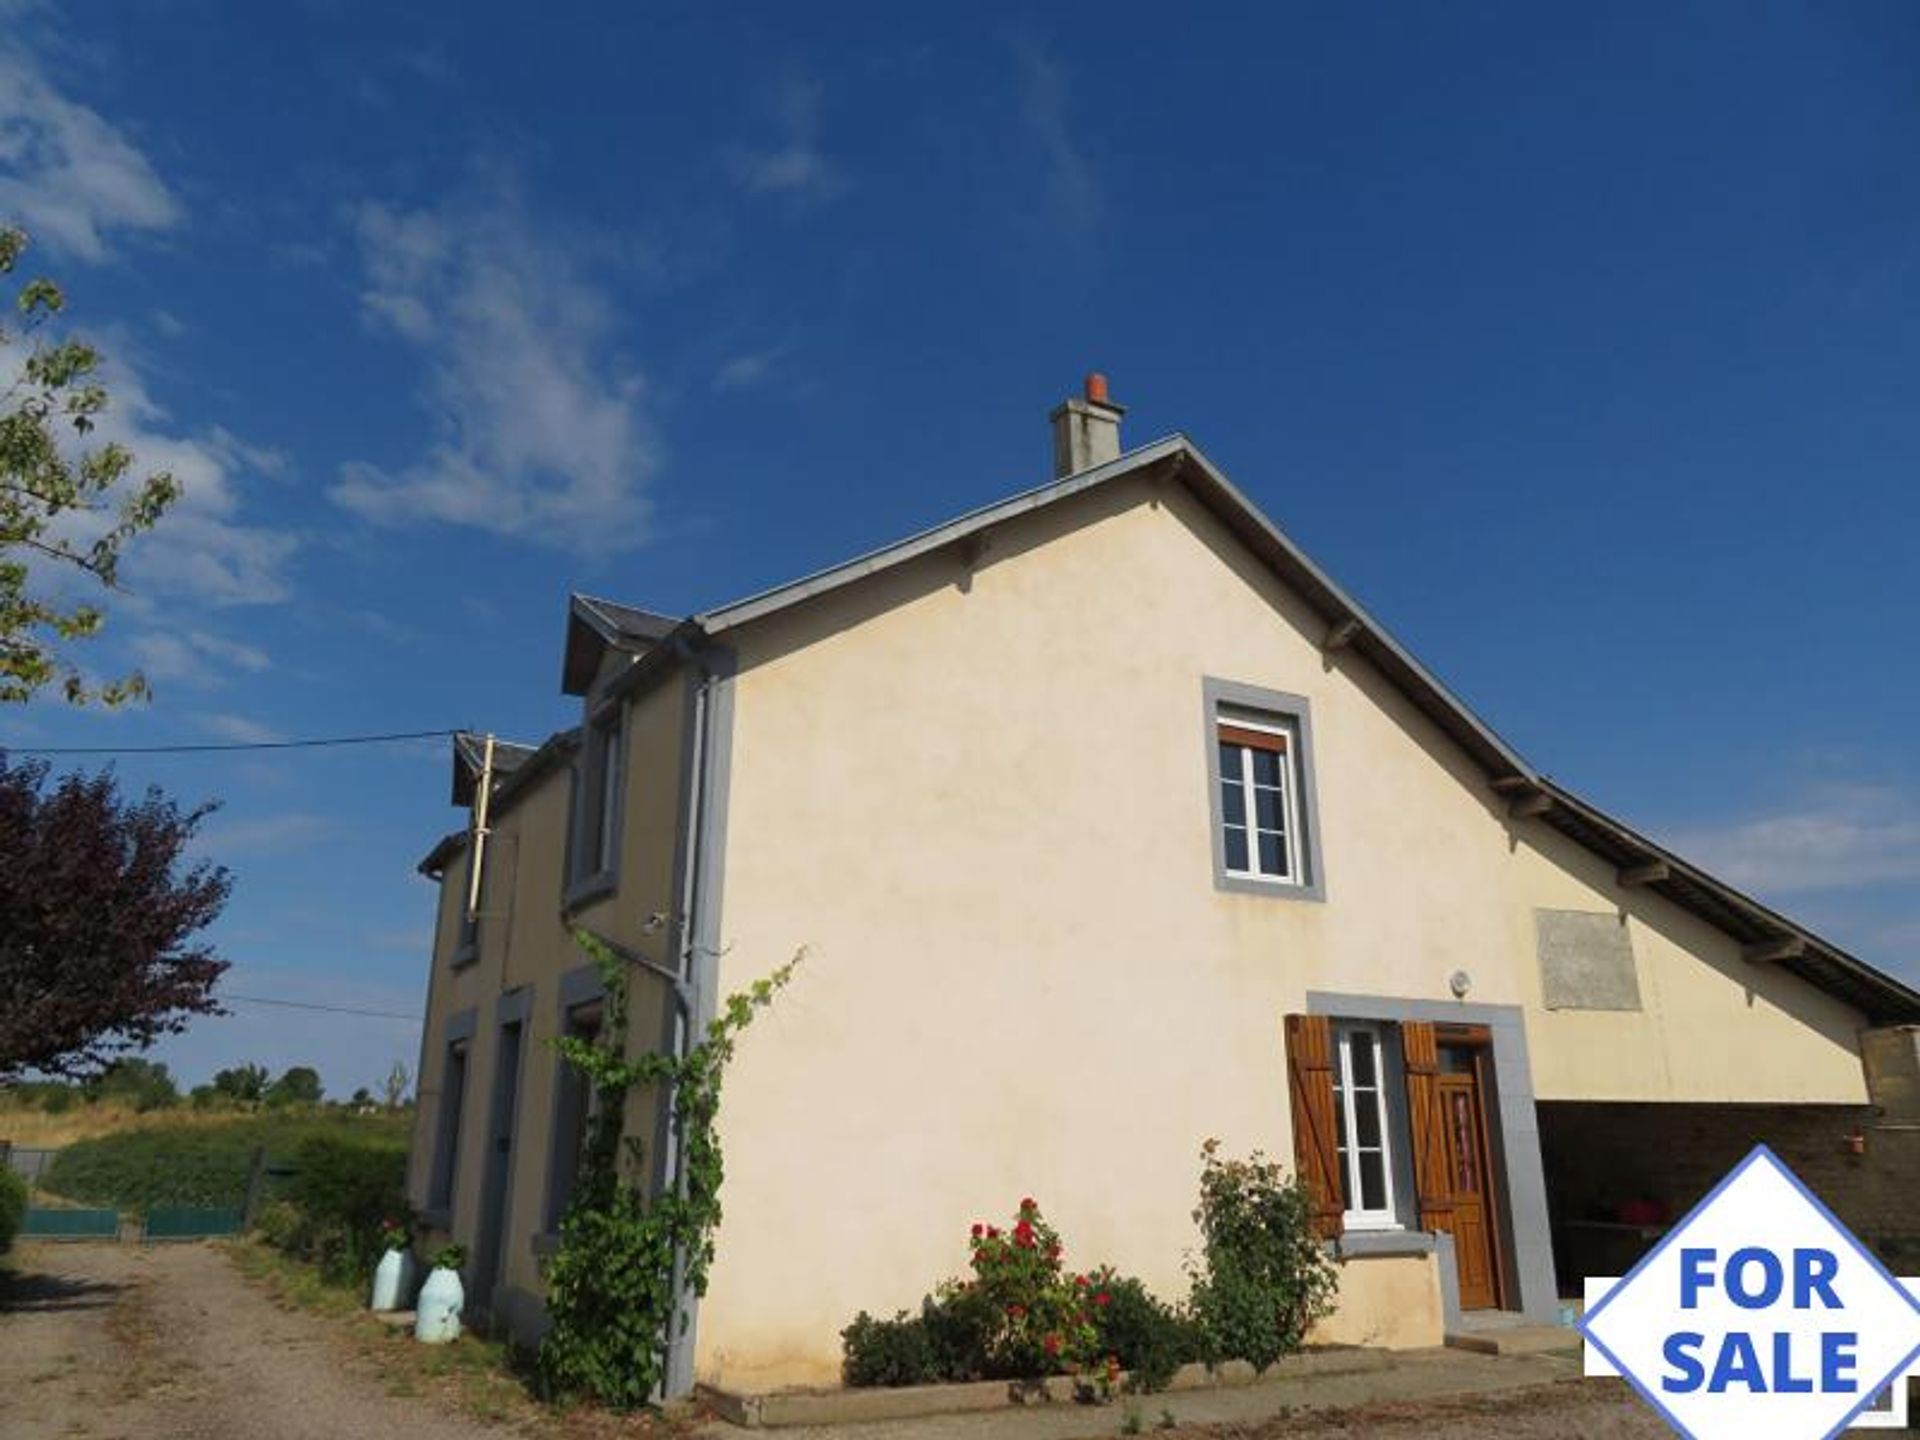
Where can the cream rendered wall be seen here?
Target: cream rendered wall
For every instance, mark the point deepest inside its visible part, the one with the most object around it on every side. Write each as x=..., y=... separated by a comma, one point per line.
x=981, y=798
x=526, y=940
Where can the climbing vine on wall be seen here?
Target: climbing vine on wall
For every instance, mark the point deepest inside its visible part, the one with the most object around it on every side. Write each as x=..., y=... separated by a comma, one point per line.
x=626, y=1256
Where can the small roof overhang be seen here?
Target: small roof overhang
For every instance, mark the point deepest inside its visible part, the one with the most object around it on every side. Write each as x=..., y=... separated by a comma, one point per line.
x=470, y=756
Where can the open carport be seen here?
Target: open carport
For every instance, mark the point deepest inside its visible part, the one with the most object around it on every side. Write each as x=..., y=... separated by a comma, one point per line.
x=1619, y=1173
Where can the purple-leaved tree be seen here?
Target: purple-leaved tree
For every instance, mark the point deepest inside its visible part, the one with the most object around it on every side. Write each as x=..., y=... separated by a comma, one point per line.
x=99, y=909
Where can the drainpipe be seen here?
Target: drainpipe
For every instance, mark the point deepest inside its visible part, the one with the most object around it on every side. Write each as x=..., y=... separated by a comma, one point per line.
x=698, y=969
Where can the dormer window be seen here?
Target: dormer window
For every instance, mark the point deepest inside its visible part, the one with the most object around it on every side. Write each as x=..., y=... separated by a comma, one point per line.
x=600, y=779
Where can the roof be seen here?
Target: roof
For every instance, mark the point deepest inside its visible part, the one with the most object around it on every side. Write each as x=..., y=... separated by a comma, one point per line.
x=595, y=625
x=1768, y=937
x=518, y=766
x=469, y=758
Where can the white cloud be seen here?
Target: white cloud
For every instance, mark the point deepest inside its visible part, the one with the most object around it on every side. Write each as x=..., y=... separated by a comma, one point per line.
x=742, y=372
x=1073, y=190
x=541, y=430
x=795, y=165
x=1837, y=838
x=239, y=729
x=66, y=174
x=194, y=657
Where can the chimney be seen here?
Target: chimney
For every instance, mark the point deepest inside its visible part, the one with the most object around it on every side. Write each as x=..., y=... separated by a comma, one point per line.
x=1086, y=430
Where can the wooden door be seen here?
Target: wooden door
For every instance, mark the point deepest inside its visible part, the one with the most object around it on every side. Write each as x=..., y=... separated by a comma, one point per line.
x=1469, y=1186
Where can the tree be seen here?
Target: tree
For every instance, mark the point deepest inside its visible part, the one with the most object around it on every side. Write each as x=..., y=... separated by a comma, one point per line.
x=99, y=910
x=394, y=1090
x=140, y=1084
x=63, y=506
x=243, y=1084
x=299, y=1085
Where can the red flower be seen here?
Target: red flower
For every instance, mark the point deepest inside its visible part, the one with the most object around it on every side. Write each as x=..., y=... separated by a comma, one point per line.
x=1016, y=1311
x=1081, y=1281
x=1103, y=1298
x=1027, y=1204
x=992, y=1233
x=1023, y=1234
x=1052, y=1344
x=978, y=1229
x=1053, y=1252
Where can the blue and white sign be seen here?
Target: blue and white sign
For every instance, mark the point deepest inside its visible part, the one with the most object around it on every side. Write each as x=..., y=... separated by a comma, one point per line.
x=1759, y=1315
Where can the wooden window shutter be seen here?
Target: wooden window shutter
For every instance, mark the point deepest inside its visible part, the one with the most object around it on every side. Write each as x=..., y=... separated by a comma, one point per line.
x=1315, y=1142
x=1425, y=1119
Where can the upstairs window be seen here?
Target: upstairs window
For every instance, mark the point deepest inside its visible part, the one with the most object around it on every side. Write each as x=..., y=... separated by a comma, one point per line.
x=1260, y=792
x=596, y=836
x=1259, y=773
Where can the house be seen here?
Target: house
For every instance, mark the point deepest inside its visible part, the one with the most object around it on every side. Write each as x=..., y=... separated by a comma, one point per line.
x=1111, y=823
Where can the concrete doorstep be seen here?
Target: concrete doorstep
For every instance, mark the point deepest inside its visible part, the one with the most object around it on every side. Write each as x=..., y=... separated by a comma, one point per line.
x=1516, y=1340
x=784, y=1408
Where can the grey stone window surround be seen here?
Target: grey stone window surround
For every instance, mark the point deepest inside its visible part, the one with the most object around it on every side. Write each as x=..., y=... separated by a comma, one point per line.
x=1297, y=710
x=579, y=986
x=1516, y=1147
x=460, y=1028
x=588, y=778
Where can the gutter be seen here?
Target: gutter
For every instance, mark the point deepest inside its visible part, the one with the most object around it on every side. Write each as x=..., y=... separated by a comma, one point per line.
x=709, y=740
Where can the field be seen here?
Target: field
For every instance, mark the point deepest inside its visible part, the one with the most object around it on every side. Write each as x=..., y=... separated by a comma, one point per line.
x=179, y=1157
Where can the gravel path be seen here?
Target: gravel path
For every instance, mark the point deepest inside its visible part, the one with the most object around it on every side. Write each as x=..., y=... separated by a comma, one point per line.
x=128, y=1342
x=125, y=1342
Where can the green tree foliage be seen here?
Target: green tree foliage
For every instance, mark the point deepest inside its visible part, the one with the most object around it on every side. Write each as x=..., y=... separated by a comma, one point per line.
x=140, y=1084
x=298, y=1085
x=65, y=505
x=243, y=1084
x=13, y=1206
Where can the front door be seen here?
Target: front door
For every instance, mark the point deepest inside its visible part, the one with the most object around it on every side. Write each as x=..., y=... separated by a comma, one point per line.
x=1476, y=1243
x=488, y=1249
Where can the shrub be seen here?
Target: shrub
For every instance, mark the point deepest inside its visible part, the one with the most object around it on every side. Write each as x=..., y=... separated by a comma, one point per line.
x=1040, y=1320
x=344, y=1191
x=888, y=1352
x=1145, y=1335
x=13, y=1206
x=1263, y=1277
x=960, y=1321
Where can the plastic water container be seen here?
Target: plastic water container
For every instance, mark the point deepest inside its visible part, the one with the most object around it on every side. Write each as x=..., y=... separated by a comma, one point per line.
x=436, y=1316
x=392, y=1281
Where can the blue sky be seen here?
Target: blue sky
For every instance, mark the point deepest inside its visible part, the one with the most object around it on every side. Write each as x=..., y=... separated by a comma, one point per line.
x=1579, y=342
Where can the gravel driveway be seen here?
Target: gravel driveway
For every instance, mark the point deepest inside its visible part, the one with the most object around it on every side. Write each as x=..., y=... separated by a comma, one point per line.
x=99, y=1342
x=124, y=1342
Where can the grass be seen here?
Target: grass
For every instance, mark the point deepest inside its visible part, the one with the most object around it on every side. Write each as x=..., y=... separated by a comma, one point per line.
x=197, y=1161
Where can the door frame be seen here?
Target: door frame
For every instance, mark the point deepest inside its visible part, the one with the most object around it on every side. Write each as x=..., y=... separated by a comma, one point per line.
x=1478, y=1040
x=490, y=1251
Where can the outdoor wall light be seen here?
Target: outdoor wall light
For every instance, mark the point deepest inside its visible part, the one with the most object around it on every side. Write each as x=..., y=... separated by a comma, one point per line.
x=1460, y=982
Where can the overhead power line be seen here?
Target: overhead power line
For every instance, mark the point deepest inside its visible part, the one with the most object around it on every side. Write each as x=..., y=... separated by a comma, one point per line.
x=309, y=1005
x=207, y=749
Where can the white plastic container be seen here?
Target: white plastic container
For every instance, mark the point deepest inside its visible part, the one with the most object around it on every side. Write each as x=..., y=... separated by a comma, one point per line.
x=436, y=1317
x=392, y=1281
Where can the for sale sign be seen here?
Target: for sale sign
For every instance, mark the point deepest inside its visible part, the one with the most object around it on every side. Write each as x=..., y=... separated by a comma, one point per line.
x=1759, y=1315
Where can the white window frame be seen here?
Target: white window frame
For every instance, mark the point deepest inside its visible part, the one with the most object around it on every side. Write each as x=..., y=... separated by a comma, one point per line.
x=1289, y=797
x=1386, y=1217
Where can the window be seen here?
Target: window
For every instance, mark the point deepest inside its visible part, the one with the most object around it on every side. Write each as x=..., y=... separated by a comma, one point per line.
x=1361, y=1128
x=1261, y=792
x=446, y=1151
x=575, y=1104
x=1259, y=798
x=596, y=836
